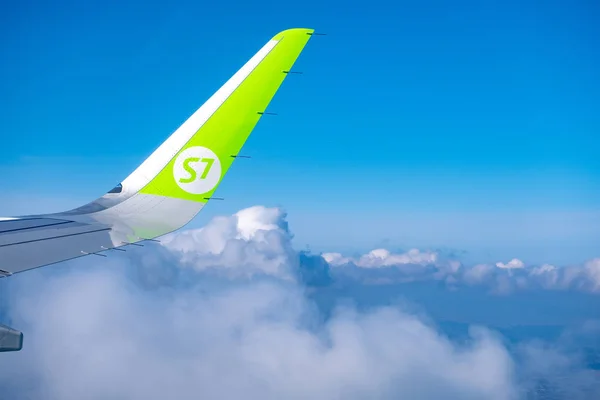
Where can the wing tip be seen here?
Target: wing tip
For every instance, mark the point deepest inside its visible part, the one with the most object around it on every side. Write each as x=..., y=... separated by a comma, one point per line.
x=293, y=31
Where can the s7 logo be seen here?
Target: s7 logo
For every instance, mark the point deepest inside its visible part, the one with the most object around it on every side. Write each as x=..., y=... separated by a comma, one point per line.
x=197, y=170
x=193, y=174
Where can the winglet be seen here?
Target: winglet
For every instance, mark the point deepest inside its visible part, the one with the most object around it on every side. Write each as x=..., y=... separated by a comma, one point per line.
x=172, y=185
x=201, y=147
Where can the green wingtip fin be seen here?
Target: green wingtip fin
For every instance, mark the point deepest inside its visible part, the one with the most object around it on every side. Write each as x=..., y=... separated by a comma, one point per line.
x=196, y=170
x=293, y=31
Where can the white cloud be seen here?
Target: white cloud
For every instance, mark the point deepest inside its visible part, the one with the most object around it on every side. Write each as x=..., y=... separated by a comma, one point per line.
x=336, y=259
x=592, y=270
x=91, y=334
x=546, y=275
x=257, y=241
x=241, y=325
x=543, y=269
x=512, y=264
x=383, y=258
x=253, y=241
x=501, y=277
x=478, y=274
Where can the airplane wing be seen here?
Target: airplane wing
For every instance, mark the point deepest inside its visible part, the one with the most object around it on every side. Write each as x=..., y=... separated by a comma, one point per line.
x=172, y=185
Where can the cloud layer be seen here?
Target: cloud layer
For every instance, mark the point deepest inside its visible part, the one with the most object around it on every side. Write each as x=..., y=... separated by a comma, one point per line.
x=257, y=241
x=501, y=277
x=93, y=335
x=225, y=312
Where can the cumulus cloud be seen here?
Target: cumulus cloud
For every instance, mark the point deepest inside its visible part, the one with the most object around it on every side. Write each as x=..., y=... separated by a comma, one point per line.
x=225, y=312
x=512, y=264
x=382, y=266
x=253, y=241
x=93, y=333
x=478, y=274
x=383, y=258
x=592, y=270
x=257, y=241
x=584, y=278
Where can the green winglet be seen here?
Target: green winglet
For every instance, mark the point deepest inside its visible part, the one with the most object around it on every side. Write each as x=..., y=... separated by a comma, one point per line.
x=196, y=170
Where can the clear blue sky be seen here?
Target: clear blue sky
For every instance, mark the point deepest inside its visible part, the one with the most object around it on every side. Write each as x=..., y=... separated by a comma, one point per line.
x=467, y=124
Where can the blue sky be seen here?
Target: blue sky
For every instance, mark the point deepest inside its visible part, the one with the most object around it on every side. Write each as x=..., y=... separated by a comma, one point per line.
x=466, y=124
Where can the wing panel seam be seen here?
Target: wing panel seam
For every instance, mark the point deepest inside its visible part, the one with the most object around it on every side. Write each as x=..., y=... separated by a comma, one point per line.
x=35, y=227
x=55, y=237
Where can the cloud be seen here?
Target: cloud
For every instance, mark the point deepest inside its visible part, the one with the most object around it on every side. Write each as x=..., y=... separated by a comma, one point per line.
x=512, y=264
x=592, y=270
x=253, y=241
x=257, y=241
x=226, y=312
x=93, y=333
x=382, y=266
x=383, y=258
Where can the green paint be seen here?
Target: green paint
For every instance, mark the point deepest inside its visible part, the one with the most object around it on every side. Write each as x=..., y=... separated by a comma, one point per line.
x=226, y=131
x=209, y=162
